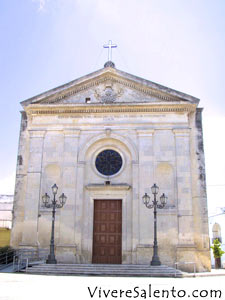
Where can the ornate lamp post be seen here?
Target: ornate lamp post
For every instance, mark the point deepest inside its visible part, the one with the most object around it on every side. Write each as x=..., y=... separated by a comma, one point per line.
x=146, y=200
x=53, y=204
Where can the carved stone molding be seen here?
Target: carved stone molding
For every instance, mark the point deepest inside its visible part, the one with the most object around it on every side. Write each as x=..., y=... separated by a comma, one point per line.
x=97, y=187
x=43, y=110
x=113, y=79
x=108, y=95
x=108, y=131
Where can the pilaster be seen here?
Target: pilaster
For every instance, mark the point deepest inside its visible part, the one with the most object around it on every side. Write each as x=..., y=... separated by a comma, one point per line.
x=144, y=181
x=32, y=196
x=69, y=170
x=80, y=205
x=184, y=187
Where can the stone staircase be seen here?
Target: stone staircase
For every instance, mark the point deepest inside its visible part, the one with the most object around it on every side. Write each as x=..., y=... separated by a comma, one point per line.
x=105, y=270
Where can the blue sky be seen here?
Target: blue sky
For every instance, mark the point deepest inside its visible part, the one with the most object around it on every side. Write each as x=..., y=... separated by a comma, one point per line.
x=180, y=44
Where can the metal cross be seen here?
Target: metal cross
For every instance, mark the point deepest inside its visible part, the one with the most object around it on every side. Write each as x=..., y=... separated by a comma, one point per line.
x=110, y=45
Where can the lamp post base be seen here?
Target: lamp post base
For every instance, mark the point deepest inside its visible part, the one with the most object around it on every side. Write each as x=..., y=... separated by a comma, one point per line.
x=155, y=261
x=51, y=260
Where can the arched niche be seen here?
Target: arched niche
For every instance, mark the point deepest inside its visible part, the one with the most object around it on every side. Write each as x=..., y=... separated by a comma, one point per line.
x=107, y=143
x=108, y=136
x=165, y=180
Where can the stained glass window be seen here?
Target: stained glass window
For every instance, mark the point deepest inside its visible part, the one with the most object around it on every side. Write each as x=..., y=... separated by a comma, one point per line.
x=108, y=162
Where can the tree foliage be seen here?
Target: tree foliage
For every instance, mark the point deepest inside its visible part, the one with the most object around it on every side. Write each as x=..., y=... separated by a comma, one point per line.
x=217, y=251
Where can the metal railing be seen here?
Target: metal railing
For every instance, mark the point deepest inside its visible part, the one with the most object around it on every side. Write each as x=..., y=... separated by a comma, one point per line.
x=26, y=257
x=22, y=258
x=19, y=263
x=6, y=258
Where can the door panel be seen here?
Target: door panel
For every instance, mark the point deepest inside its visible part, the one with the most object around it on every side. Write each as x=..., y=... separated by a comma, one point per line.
x=107, y=232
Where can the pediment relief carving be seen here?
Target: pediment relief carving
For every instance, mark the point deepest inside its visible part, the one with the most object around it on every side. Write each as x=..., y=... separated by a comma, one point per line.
x=131, y=89
x=109, y=94
x=109, y=89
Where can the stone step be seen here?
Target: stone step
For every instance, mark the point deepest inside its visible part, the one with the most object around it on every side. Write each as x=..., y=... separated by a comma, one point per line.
x=105, y=270
x=96, y=266
x=110, y=274
x=111, y=266
x=98, y=271
x=102, y=270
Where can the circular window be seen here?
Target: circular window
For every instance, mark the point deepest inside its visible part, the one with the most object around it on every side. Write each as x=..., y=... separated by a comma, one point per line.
x=108, y=162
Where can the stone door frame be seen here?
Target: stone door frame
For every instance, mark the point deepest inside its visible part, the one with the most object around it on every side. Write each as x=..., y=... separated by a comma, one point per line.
x=105, y=193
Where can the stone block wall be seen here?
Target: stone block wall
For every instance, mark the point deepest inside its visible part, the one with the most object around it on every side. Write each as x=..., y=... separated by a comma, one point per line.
x=155, y=149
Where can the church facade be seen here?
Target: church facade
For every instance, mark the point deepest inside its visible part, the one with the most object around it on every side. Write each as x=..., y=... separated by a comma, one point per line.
x=105, y=139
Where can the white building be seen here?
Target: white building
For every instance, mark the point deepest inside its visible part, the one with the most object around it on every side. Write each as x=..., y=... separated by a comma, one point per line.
x=217, y=231
x=6, y=206
x=105, y=139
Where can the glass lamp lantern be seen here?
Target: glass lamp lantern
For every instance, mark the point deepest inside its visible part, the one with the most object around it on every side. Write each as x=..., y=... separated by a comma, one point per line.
x=45, y=199
x=54, y=189
x=62, y=199
x=146, y=199
x=163, y=199
x=155, y=189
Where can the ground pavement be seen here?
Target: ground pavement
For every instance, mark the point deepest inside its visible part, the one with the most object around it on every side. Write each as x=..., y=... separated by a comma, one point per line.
x=14, y=286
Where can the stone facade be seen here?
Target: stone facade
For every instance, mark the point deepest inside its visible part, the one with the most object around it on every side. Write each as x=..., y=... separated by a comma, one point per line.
x=157, y=132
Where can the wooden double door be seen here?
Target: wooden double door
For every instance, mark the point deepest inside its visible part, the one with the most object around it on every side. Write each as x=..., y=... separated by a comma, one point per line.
x=107, y=232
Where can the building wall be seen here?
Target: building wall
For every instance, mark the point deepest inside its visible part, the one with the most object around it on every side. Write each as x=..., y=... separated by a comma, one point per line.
x=6, y=205
x=157, y=148
x=4, y=237
x=217, y=218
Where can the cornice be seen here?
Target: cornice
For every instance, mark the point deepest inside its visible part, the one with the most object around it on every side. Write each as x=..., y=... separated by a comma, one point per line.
x=107, y=109
x=110, y=187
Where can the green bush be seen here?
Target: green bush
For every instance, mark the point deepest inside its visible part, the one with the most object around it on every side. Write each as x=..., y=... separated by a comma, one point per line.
x=217, y=251
x=5, y=249
x=6, y=255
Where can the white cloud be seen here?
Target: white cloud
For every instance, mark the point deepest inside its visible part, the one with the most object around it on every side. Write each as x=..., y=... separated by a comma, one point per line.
x=42, y=4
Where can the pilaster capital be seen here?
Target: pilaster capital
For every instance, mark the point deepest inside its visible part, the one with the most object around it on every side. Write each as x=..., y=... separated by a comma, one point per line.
x=145, y=132
x=75, y=133
x=182, y=132
x=37, y=133
x=81, y=163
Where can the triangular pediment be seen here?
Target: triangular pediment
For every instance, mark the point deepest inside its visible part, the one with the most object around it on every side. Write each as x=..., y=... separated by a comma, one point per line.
x=108, y=86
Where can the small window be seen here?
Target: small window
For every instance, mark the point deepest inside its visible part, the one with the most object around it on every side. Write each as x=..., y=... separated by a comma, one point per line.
x=87, y=100
x=20, y=160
